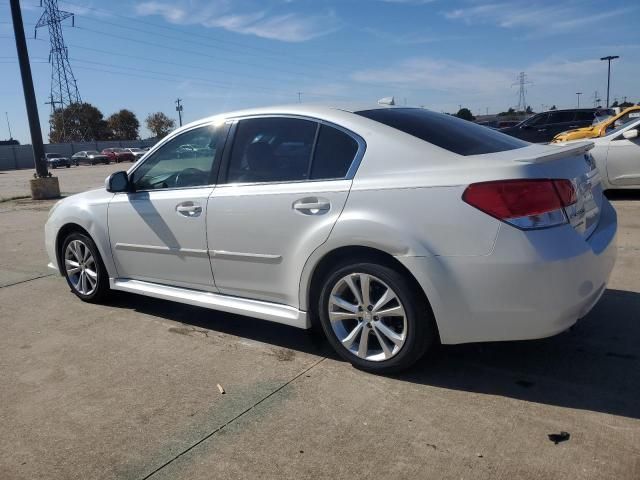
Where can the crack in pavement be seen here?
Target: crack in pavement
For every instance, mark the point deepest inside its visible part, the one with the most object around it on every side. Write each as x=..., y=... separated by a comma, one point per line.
x=28, y=280
x=241, y=414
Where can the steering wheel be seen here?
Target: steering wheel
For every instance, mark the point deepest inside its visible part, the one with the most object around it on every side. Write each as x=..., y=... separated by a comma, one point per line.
x=190, y=177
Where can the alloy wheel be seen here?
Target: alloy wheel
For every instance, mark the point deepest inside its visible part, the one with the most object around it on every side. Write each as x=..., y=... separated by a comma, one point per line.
x=81, y=267
x=367, y=317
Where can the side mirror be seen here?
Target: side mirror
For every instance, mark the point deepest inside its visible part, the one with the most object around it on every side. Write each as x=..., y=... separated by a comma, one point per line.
x=630, y=134
x=117, y=182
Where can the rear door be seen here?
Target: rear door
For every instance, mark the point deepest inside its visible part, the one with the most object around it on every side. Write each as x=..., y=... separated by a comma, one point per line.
x=283, y=184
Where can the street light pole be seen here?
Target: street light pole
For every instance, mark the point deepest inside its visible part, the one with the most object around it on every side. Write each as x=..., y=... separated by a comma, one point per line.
x=29, y=93
x=608, y=59
x=179, y=110
x=578, y=95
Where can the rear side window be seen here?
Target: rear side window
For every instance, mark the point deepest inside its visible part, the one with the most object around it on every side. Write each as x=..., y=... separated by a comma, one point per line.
x=271, y=150
x=333, y=155
x=448, y=132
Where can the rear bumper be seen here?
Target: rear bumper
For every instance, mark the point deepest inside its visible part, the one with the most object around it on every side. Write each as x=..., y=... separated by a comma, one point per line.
x=534, y=284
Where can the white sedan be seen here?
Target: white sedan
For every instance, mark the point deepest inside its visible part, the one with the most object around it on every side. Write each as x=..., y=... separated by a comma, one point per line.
x=392, y=228
x=617, y=156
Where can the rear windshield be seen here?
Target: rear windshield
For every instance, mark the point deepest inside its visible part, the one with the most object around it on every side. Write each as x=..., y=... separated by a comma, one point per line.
x=448, y=132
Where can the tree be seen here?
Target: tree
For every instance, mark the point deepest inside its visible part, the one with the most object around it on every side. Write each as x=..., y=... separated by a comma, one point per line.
x=553, y=107
x=465, y=114
x=77, y=122
x=614, y=104
x=123, y=125
x=529, y=110
x=626, y=105
x=159, y=124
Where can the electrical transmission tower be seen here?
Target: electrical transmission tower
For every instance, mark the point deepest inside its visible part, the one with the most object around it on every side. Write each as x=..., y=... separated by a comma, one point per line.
x=522, y=82
x=64, y=90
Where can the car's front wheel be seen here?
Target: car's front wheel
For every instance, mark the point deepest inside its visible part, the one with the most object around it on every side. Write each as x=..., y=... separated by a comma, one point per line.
x=375, y=317
x=83, y=268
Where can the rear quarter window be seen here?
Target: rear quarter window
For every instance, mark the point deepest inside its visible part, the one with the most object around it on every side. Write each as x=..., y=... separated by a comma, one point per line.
x=445, y=131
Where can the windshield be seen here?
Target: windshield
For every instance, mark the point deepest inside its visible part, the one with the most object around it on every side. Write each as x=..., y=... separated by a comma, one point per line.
x=623, y=127
x=93, y=152
x=53, y=155
x=446, y=131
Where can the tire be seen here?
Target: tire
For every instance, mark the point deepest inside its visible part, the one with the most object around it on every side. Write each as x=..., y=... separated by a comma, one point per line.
x=94, y=287
x=406, y=338
x=68, y=166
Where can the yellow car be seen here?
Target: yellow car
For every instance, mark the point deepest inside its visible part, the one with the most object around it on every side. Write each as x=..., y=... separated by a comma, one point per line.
x=599, y=129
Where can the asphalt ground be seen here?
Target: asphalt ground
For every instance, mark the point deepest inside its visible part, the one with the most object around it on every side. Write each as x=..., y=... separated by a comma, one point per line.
x=128, y=390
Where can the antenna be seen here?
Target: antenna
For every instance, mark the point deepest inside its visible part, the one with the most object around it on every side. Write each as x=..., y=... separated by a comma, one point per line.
x=522, y=81
x=64, y=90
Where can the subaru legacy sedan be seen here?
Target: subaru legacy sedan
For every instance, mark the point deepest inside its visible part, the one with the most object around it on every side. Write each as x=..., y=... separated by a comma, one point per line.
x=391, y=228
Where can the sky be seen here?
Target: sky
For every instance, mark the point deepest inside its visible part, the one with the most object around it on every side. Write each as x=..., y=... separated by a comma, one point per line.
x=221, y=55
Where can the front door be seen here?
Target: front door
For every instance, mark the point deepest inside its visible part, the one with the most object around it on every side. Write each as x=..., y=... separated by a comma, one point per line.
x=286, y=181
x=158, y=232
x=623, y=161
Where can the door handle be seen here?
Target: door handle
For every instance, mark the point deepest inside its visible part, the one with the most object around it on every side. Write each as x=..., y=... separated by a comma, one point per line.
x=312, y=206
x=189, y=209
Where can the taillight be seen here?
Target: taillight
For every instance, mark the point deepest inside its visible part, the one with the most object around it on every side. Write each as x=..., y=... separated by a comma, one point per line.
x=526, y=204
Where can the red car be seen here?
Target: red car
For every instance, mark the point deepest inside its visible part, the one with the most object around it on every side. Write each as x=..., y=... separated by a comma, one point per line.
x=118, y=155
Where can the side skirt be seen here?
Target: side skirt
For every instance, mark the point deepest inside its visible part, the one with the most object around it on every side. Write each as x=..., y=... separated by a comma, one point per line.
x=272, y=312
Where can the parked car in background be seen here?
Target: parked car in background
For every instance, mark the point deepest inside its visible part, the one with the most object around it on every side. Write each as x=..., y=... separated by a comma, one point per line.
x=55, y=160
x=296, y=215
x=498, y=124
x=89, y=157
x=137, y=152
x=542, y=127
x=118, y=155
x=600, y=129
x=617, y=156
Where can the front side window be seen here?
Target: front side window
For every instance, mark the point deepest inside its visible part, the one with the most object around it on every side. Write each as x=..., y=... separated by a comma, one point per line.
x=537, y=120
x=445, y=131
x=561, y=117
x=184, y=161
x=271, y=150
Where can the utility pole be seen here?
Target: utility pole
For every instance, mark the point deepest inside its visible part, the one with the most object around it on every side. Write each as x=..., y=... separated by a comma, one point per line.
x=596, y=99
x=64, y=89
x=299, y=97
x=608, y=59
x=578, y=95
x=29, y=93
x=522, y=82
x=179, y=110
x=6, y=114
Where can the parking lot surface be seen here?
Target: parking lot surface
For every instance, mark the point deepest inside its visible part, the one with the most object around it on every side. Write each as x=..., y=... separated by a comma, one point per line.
x=128, y=390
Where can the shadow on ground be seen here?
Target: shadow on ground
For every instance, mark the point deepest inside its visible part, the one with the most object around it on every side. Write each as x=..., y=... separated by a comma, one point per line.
x=594, y=366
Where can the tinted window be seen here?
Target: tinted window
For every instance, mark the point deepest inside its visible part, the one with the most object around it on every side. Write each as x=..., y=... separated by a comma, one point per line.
x=538, y=120
x=585, y=116
x=271, y=150
x=334, y=154
x=445, y=131
x=561, y=117
x=184, y=161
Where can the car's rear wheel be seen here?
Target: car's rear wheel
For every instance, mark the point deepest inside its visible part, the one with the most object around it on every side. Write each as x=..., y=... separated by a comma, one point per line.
x=83, y=268
x=375, y=317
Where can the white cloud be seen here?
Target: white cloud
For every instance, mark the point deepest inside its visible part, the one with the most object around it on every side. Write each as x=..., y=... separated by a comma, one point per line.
x=547, y=19
x=246, y=18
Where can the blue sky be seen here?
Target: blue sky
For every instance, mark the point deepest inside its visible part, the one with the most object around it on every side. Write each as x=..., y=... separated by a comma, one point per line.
x=219, y=55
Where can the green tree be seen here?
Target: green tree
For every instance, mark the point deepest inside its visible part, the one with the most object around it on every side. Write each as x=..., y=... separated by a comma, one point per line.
x=123, y=125
x=465, y=114
x=159, y=124
x=77, y=122
x=553, y=107
x=529, y=110
x=626, y=105
x=615, y=104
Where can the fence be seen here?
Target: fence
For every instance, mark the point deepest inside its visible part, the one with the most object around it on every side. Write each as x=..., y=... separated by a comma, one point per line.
x=14, y=157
